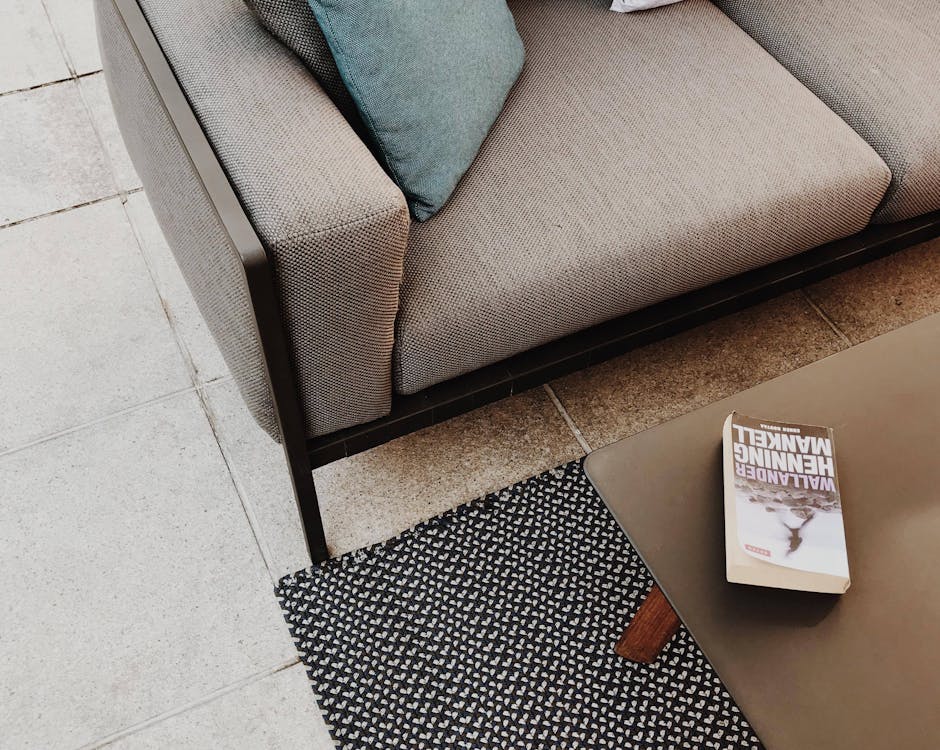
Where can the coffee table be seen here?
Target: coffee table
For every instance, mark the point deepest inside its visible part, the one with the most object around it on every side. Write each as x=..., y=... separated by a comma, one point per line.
x=861, y=670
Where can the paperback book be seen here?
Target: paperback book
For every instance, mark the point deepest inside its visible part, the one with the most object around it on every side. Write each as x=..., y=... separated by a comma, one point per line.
x=783, y=507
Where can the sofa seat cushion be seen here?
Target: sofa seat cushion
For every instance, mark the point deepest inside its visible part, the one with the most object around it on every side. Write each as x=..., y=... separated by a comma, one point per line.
x=877, y=65
x=639, y=156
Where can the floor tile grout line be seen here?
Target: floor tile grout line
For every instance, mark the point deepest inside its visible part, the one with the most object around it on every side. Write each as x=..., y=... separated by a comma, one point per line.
x=243, y=496
x=46, y=84
x=829, y=321
x=59, y=39
x=34, y=87
x=575, y=430
x=191, y=370
x=103, y=147
x=110, y=416
x=205, y=699
x=65, y=209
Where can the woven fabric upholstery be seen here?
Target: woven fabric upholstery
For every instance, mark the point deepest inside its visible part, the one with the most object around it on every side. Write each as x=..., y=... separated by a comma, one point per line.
x=293, y=22
x=333, y=223
x=202, y=248
x=877, y=65
x=639, y=156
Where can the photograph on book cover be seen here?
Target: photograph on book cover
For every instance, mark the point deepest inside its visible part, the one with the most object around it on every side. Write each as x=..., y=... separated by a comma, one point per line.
x=789, y=508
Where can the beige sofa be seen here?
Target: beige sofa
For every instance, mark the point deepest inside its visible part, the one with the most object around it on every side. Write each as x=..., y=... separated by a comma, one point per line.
x=648, y=170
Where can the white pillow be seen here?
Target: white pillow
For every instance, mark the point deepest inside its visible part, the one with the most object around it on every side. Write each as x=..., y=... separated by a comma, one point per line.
x=626, y=6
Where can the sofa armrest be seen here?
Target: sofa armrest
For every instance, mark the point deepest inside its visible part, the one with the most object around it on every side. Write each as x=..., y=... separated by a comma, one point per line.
x=333, y=224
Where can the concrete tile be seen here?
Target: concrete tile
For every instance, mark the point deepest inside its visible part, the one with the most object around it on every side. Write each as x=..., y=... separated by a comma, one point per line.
x=84, y=334
x=50, y=157
x=95, y=93
x=276, y=712
x=200, y=348
x=74, y=22
x=375, y=495
x=671, y=377
x=29, y=52
x=380, y=493
x=134, y=583
x=883, y=295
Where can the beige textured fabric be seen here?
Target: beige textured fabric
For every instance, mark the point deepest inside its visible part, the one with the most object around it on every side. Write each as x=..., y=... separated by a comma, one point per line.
x=876, y=63
x=334, y=223
x=200, y=243
x=638, y=156
x=293, y=22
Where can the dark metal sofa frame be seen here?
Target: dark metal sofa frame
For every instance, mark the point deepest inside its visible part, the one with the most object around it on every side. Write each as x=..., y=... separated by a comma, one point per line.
x=488, y=384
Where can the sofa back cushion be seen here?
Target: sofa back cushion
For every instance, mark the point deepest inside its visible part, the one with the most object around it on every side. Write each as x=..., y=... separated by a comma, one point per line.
x=876, y=64
x=293, y=23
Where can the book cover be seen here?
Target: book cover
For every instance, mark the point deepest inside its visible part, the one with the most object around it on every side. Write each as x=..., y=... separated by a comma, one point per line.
x=783, y=506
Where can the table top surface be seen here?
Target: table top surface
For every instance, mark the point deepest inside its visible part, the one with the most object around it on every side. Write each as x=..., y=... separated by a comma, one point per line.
x=861, y=670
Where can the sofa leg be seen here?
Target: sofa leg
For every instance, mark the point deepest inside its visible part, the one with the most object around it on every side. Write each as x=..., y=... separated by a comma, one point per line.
x=309, y=507
x=305, y=493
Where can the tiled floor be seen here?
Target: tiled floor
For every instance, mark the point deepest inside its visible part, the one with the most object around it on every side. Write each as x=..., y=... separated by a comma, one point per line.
x=144, y=517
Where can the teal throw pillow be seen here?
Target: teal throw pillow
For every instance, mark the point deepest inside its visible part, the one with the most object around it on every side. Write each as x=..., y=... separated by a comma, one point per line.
x=429, y=78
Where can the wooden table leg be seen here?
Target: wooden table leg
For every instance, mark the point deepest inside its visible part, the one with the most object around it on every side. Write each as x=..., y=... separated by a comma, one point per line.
x=650, y=629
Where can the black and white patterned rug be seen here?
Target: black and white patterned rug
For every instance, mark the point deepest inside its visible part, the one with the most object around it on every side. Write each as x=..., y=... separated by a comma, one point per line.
x=493, y=626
